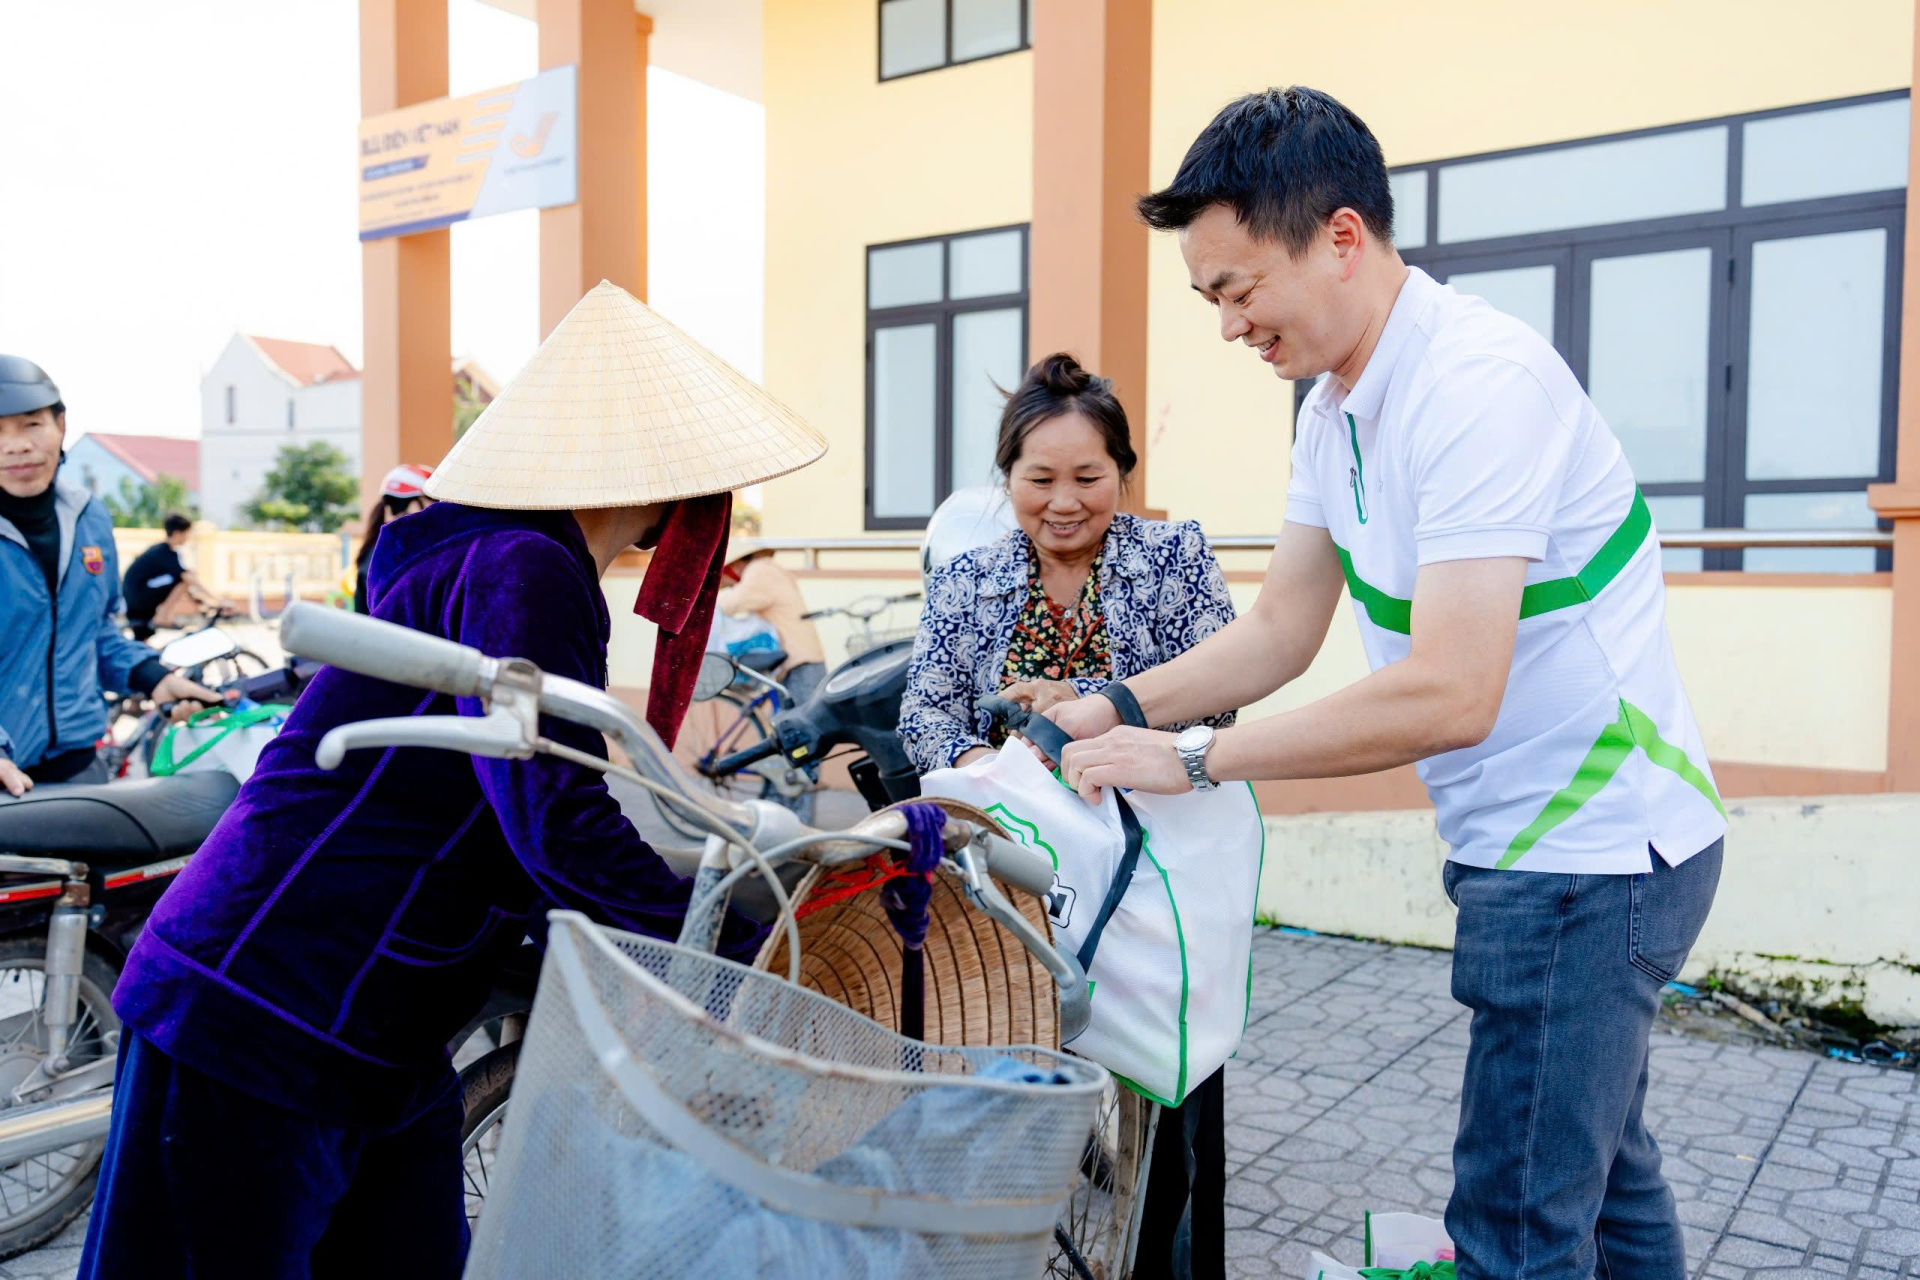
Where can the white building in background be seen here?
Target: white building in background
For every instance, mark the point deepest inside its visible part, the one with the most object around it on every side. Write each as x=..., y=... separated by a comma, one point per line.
x=263, y=394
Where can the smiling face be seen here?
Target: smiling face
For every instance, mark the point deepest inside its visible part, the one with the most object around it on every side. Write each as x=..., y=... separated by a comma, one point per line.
x=1296, y=314
x=1065, y=486
x=30, y=451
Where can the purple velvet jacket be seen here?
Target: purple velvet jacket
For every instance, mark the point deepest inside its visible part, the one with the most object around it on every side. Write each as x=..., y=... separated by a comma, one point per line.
x=338, y=928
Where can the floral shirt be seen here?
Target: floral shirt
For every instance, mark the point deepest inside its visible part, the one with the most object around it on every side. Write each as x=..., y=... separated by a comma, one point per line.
x=1052, y=642
x=1158, y=592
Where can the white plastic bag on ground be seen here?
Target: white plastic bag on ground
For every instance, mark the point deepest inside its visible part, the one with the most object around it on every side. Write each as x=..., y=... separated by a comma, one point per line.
x=1402, y=1239
x=1172, y=972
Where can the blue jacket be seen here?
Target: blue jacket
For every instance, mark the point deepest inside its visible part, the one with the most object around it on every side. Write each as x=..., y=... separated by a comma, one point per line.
x=340, y=926
x=58, y=656
x=1161, y=592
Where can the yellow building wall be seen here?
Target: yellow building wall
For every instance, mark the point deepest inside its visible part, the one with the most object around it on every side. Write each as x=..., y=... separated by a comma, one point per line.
x=1435, y=81
x=853, y=162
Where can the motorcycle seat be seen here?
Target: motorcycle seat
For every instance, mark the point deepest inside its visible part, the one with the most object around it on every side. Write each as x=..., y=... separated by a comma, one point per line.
x=117, y=823
x=765, y=661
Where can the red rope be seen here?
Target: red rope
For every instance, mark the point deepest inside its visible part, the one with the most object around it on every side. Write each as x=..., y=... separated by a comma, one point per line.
x=841, y=885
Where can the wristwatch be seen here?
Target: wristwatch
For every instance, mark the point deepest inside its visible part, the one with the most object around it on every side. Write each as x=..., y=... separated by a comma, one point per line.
x=1193, y=745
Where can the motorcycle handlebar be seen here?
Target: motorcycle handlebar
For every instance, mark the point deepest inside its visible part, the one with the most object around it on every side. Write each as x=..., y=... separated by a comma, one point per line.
x=741, y=759
x=384, y=650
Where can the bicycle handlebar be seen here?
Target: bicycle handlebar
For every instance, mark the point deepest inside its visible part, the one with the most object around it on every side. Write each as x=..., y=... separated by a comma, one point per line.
x=385, y=650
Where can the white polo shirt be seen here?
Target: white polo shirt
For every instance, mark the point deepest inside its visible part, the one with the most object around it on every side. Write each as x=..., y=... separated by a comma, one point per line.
x=1467, y=437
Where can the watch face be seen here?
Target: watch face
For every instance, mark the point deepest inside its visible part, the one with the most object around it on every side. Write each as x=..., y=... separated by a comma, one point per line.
x=1194, y=738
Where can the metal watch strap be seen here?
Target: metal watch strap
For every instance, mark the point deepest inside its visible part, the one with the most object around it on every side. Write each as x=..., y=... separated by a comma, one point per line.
x=1125, y=703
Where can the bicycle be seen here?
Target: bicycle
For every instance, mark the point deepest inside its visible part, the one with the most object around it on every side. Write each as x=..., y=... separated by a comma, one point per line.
x=1097, y=1221
x=746, y=682
x=862, y=612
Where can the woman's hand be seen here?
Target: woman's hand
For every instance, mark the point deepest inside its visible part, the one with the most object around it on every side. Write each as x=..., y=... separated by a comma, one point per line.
x=1038, y=695
x=187, y=696
x=14, y=779
x=971, y=754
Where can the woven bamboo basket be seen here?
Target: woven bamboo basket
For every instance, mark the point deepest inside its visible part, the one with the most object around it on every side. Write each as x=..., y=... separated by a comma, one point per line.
x=982, y=986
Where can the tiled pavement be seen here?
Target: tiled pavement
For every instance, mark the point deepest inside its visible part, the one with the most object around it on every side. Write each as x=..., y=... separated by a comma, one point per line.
x=1345, y=1094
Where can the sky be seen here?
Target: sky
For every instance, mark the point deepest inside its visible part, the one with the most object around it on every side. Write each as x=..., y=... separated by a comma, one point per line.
x=192, y=176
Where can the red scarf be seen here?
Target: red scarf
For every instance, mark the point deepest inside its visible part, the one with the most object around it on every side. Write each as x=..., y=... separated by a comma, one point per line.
x=678, y=595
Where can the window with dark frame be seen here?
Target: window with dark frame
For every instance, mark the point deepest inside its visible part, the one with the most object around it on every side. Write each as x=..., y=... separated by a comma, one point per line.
x=926, y=35
x=1728, y=291
x=946, y=333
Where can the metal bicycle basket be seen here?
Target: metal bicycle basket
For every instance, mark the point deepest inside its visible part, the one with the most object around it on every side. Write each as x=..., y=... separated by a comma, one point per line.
x=677, y=1115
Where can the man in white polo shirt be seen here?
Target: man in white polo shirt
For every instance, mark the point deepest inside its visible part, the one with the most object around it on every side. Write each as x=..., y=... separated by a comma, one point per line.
x=1455, y=478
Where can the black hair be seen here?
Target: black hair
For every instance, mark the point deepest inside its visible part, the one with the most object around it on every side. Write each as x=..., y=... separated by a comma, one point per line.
x=1057, y=385
x=1284, y=160
x=387, y=508
x=175, y=523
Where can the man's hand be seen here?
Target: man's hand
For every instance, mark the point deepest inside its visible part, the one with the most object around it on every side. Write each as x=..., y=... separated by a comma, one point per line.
x=187, y=696
x=1084, y=717
x=13, y=778
x=1140, y=759
x=1038, y=695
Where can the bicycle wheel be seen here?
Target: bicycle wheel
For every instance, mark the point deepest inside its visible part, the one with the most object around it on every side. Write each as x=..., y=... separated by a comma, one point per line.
x=1097, y=1234
x=749, y=729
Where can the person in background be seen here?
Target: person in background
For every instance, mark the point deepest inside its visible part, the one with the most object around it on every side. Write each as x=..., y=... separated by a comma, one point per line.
x=401, y=493
x=756, y=584
x=59, y=595
x=158, y=589
x=1079, y=595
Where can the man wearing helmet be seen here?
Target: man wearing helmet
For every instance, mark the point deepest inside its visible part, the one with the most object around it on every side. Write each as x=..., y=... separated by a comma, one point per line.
x=59, y=592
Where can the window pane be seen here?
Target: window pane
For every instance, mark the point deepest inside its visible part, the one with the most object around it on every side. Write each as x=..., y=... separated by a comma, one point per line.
x=1590, y=186
x=986, y=358
x=1525, y=293
x=913, y=36
x=1813, y=366
x=1678, y=512
x=982, y=27
x=983, y=266
x=904, y=275
x=903, y=382
x=1409, y=208
x=1647, y=361
x=1809, y=511
x=1825, y=153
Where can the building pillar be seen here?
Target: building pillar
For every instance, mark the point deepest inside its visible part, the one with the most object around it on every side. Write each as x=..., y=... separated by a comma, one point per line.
x=603, y=234
x=1087, y=289
x=406, y=385
x=1900, y=503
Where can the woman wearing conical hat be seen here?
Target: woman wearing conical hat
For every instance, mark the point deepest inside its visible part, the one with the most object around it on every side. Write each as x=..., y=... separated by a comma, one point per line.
x=284, y=1106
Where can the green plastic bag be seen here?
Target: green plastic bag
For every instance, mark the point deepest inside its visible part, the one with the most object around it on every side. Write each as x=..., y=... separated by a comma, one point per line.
x=206, y=730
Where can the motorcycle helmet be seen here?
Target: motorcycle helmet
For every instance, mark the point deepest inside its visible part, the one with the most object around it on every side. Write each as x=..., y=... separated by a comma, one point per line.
x=25, y=387
x=969, y=518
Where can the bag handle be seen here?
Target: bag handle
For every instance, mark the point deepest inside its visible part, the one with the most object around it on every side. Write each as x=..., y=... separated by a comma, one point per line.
x=1122, y=877
x=164, y=765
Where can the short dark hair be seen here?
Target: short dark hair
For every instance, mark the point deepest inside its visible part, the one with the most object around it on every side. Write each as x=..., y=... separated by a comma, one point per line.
x=1284, y=160
x=1058, y=385
x=176, y=523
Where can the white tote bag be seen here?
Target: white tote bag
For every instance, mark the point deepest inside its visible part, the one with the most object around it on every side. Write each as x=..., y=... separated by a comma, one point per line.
x=1171, y=970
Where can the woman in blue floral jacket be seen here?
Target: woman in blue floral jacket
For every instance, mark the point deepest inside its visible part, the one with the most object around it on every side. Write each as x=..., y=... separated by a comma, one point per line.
x=1078, y=595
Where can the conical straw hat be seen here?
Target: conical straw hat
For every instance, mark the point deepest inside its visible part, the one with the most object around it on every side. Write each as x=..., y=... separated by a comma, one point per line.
x=619, y=408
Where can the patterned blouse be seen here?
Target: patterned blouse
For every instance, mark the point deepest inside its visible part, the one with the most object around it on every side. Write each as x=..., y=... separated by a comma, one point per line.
x=1052, y=642
x=1156, y=589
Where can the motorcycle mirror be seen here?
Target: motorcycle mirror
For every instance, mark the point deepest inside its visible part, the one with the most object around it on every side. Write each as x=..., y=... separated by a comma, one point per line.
x=716, y=673
x=197, y=648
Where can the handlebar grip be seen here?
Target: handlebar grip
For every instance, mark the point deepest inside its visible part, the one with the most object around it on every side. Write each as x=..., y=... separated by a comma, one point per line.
x=741, y=759
x=384, y=650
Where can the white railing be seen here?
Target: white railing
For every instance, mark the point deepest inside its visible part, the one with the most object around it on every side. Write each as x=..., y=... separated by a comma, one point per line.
x=1707, y=539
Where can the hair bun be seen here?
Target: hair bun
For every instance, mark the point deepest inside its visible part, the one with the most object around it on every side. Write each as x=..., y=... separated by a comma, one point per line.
x=1062, y=375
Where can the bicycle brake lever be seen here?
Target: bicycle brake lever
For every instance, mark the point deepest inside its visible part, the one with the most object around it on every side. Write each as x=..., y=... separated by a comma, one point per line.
x=497, y=734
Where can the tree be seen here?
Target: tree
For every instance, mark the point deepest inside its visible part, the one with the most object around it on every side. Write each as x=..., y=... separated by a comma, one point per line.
x=309, y=488
x=144, y=506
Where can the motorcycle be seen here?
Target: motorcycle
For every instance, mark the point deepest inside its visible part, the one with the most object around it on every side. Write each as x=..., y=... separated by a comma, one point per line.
x=81, y=867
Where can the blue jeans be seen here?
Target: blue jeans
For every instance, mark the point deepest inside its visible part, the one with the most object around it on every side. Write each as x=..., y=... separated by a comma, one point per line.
x=1555, y=1174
